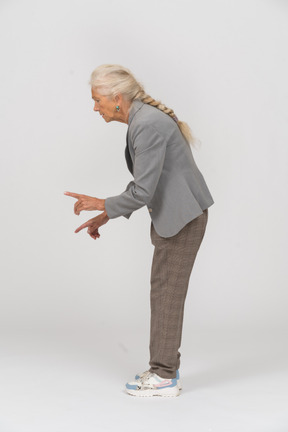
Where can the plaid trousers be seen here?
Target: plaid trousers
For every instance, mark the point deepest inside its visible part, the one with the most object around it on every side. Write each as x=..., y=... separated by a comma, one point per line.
x=172, y=264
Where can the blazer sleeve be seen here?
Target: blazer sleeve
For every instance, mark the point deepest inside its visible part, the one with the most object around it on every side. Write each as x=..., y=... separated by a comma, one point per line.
x=150, y=148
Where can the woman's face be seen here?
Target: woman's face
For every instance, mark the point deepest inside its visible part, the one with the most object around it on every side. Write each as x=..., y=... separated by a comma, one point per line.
x=106, y=106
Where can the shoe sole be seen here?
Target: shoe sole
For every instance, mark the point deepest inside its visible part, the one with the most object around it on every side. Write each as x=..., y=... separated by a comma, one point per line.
x=169, y=392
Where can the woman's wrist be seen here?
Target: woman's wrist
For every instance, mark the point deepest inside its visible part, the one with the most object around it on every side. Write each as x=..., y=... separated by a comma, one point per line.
x=105, y=215
x=100, y=204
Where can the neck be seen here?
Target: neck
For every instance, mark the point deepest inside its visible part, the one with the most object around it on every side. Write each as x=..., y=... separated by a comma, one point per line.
x=123, y=115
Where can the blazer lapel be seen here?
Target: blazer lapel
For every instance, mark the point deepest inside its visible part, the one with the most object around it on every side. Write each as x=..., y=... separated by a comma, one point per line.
x=128, y=156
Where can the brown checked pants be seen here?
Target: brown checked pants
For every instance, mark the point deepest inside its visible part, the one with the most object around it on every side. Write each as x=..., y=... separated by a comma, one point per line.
x=171, y=269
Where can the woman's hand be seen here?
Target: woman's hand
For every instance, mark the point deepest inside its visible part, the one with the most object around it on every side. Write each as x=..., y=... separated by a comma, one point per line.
x=93, y=225
x=85, y=202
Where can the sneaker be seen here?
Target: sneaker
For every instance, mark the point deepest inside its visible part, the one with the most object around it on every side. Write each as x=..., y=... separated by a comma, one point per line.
x=147, y=372
x=152, y=385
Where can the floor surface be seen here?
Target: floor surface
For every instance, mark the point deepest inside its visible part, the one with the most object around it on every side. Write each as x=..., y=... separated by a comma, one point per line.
x=68, y=383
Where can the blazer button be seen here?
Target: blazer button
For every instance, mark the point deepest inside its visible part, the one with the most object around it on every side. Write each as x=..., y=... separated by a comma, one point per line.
x=150, y=210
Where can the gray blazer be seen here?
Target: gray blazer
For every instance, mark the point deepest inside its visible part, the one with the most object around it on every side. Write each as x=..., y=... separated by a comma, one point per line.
x=166, y=178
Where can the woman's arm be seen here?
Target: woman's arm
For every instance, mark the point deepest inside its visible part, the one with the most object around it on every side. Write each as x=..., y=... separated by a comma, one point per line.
x=150, y=149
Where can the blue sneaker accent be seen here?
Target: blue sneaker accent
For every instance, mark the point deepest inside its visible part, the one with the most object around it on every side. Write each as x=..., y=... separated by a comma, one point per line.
x=174, y=383
x=131, y=387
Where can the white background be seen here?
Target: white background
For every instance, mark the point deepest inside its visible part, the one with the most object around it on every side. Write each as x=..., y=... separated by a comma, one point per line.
x=222, y=66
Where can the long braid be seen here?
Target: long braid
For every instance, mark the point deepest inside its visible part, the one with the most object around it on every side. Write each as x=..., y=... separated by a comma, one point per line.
x=184, y=128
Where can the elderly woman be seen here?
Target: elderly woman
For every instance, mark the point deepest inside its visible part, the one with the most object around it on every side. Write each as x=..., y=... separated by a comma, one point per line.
x=168, y=182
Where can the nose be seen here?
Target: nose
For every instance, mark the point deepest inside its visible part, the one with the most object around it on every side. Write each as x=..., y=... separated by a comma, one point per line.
x=95, y=107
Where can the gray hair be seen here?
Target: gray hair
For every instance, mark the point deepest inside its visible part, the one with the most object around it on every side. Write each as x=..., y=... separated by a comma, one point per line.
x=111, y=80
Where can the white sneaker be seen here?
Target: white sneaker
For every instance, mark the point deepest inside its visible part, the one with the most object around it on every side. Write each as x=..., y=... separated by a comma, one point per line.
x=152, y=385
x=147, y=372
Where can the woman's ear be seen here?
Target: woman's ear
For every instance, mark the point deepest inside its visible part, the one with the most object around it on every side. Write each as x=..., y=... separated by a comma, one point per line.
x=118, y=98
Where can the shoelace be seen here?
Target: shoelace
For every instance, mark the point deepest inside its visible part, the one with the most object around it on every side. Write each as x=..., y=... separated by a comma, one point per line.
x=145, y=376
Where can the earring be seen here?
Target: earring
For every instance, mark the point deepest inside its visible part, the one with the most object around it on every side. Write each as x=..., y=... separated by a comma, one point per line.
x=117, y=108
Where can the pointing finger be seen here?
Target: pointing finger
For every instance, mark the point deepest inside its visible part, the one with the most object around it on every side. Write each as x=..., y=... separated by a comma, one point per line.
x=81, y=227
x=72, y=194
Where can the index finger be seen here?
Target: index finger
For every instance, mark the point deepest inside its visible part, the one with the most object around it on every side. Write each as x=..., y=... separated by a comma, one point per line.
x=72, y=194
x=81, y=227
